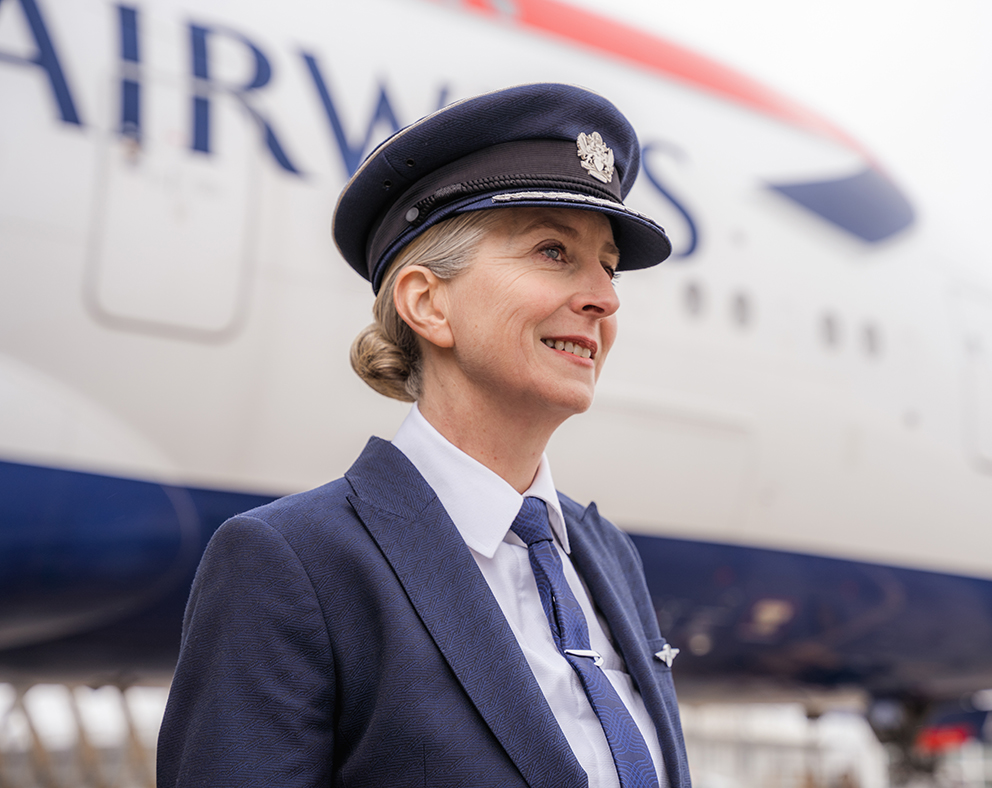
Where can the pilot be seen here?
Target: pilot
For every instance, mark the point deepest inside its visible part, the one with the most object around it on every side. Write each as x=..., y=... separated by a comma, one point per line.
x=441, y=616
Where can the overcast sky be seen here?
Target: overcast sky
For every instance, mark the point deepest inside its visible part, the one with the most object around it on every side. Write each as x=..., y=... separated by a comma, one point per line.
x=912, y=80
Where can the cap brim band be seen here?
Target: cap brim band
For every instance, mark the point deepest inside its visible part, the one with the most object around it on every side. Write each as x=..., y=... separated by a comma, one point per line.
x=643, y=241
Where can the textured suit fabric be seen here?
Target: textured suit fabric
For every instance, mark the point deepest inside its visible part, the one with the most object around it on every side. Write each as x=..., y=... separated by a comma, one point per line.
x=345, y=637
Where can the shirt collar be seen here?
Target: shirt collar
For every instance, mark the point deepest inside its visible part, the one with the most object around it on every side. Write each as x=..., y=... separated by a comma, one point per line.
x=481, y=504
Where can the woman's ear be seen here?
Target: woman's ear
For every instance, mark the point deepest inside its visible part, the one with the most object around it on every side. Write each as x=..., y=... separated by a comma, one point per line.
x=416, y=296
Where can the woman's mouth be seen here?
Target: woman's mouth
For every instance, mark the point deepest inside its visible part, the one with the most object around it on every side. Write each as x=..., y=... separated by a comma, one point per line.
x=570, y=346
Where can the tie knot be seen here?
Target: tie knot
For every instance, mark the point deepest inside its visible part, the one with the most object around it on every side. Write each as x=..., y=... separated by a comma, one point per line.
x=531, y=523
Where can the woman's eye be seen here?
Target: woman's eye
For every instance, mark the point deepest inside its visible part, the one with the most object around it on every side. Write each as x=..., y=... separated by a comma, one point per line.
x=553, y=253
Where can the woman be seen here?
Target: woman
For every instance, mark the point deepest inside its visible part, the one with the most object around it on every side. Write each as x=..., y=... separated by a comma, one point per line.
x=440, y=615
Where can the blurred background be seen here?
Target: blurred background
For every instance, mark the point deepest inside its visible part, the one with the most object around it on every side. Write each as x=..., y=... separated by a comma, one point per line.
x=911, y=81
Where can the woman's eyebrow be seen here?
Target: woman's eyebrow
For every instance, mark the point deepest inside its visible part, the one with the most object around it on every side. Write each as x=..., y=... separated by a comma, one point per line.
x=549, y=224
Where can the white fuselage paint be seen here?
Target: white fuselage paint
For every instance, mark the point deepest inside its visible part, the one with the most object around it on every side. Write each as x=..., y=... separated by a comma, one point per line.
x=180, y=315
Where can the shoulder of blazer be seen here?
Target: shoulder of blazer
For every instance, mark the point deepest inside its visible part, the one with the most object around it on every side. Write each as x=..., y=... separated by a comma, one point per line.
x=291, y=508
x=381, y=475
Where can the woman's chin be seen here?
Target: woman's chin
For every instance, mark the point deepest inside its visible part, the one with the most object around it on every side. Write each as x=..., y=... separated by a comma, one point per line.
x=571, y=400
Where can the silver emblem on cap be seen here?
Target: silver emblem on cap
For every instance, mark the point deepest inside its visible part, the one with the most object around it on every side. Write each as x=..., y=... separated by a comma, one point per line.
x=595, y=156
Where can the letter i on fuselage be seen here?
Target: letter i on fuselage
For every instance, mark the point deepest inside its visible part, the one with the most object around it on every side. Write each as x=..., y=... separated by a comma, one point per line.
x=130, y=127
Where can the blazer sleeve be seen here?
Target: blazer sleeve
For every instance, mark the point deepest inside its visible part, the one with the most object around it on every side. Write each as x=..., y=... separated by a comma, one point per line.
x=252, y=701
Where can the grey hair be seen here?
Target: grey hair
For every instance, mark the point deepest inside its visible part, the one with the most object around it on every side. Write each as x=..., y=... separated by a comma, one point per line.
x=386, y=354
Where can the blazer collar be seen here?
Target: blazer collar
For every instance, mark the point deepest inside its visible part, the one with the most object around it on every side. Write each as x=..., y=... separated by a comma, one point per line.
x=444, y=584
x=598, y=567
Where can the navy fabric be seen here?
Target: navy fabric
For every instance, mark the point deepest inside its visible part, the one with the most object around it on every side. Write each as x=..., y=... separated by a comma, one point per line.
x=571, y=632
x=345, y=637
x=544, y=111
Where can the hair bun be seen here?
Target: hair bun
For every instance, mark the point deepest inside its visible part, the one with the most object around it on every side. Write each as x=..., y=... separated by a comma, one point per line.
x=382, y=364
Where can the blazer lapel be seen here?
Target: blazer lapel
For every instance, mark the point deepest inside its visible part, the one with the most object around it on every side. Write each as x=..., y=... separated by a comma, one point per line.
x=599, y=567
x=454, y=602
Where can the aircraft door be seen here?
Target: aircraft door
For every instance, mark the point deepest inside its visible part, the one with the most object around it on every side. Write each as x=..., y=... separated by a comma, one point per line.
x=176, y=200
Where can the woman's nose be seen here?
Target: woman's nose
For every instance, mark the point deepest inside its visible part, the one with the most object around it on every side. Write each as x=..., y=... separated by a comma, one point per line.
x=600, y=296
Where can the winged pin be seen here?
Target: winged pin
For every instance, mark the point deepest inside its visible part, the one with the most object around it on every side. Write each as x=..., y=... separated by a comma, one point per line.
x=667, y=654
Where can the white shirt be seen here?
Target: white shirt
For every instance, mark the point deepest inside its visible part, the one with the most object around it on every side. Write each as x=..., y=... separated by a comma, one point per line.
x=483, y=506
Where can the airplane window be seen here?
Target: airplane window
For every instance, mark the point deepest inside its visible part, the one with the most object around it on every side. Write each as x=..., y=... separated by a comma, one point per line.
x=830, y=330
x=694, y=301
x=740, y=310
x=871, y=340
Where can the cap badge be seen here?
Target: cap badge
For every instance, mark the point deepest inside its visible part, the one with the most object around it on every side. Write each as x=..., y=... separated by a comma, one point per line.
x=595, y=156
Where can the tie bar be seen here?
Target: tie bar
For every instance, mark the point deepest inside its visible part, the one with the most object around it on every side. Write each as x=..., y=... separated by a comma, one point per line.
x=595, y=656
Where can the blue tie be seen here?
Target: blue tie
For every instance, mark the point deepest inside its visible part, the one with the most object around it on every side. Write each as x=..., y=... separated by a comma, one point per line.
x=571, y=635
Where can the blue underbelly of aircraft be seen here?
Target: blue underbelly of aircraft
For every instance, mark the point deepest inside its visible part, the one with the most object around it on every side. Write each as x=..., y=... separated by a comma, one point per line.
x=746, y=614
x=95, y=572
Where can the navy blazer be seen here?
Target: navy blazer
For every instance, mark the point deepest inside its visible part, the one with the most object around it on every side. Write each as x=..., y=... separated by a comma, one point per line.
x=346, y=637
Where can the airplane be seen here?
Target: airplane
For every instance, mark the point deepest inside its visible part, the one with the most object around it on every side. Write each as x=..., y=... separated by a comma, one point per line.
x=795, y=426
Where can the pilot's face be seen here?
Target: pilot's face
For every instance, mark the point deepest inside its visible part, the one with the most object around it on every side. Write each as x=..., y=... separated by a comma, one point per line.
x=534, y=315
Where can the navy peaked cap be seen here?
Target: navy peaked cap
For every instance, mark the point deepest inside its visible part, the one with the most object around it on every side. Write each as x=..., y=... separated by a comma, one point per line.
x=529, y=145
